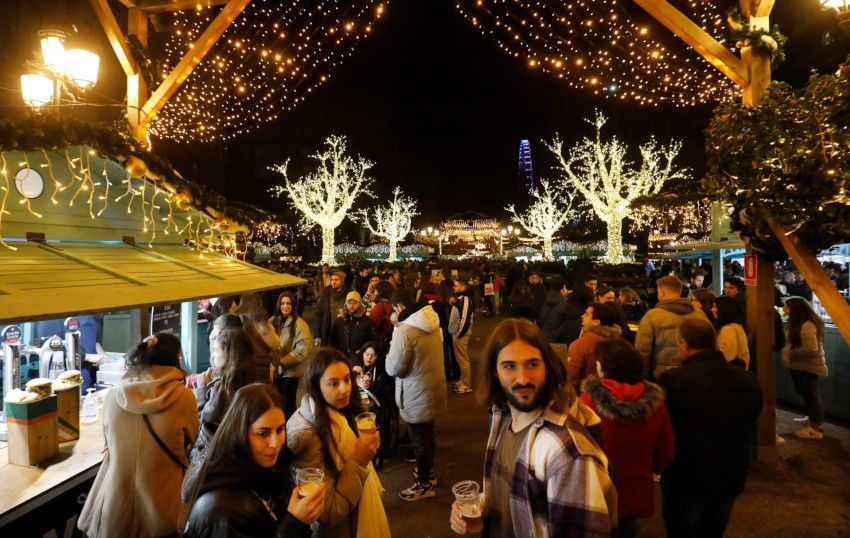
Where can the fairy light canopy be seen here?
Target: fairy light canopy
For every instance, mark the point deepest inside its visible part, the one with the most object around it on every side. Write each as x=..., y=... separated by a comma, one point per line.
x=609, y=47
x=269, y=60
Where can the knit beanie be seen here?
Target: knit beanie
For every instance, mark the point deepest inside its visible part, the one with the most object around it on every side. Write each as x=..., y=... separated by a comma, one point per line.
x=352, y=296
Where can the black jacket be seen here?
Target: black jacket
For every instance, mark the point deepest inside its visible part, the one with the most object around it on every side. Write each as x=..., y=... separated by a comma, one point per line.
x=553, y=317
x=328, y=307
x=350, y=332
x=713, y=406
x=229, y=505
x=573, y=312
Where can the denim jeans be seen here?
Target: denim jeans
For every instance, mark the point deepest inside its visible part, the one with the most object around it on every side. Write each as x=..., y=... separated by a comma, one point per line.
x=422, y=439
x=694, y=514
x=806, y=385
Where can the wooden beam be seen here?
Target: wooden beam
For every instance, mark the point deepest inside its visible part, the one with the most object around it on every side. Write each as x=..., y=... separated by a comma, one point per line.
x=166, y=6
x=761, y=329
x=756, y=8
x=137, y=90
x=200, y=48
x=698, y=39
x=115, y=35
x=816, y=278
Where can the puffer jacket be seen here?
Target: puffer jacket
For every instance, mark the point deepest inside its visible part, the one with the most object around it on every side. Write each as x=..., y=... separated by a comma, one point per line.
x=553, y=317
x=230, y=504
x=809, y=356
x=298, y=346
x=137, y=489
x=351, y=332
x=637, y=436
x=415, y=359
x=581, y=356
x=342, y=494
x=658, y=335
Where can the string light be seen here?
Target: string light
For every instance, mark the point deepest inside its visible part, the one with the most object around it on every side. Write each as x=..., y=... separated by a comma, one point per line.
x=686, y=223
x=392, y=222
x=600, y=46
x=550, y=208
x=268, y=61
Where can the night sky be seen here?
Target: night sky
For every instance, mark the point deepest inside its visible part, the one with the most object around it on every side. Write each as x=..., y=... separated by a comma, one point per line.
x=439, y=108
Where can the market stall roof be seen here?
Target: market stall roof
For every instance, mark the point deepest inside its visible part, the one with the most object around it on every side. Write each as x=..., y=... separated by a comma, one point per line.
x=53, y=280
x=704, y=250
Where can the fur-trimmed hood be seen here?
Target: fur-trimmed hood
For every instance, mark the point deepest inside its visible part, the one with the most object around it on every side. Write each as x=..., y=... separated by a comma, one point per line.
x=605, y=331
x=610, y=407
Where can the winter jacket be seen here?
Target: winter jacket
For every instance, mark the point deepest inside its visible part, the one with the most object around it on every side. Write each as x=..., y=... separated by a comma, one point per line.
x=637, y=437
x=581, y=356
x=553, y=317
x=230, y=504
x=380, y=316
x=342, y=494
x=330, y=306
x=713, y=406
x=351, y=332
x=809, y=356
x=415, y=359
x=573, y=311
x=560, y=484
x=732, y=342
x=137, y=489
x=297, y=344
x=658, y=335
x=460, y=320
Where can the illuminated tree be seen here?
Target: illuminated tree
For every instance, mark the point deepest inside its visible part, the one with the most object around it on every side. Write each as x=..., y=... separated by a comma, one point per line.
x=325, y=196
x=549, y=210
x=392, y=221
x=609, y=182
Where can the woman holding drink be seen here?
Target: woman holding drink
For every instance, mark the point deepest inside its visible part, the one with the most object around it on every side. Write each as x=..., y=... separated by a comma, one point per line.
x=244, y=485
x=323, y=435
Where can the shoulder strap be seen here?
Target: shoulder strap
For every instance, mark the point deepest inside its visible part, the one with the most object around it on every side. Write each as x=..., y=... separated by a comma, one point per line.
x=162, y=445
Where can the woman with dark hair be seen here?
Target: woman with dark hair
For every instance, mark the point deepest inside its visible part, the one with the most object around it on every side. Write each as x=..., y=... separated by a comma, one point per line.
x=631, y=304
x=729, y=322
x=322, y=434
x=521, y=302
x=251, y=306
x=233, y=366
x=244, y=488
x=804, y=356
x=150, y=423
x=224, y=305
x=703, y=299
x=296, y=346
x=374, y=378
x=637, y=434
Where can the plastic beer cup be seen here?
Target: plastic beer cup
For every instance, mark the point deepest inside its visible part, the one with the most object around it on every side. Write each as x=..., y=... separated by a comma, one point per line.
x=366, y=423
x=469, y=500
x=309, y=480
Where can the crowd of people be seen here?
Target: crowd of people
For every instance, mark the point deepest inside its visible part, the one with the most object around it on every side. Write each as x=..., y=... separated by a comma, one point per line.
x=594, y=395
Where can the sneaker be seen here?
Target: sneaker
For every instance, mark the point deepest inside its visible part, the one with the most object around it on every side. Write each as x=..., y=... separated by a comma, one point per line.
x=808, y=433
x=432, y=479
x=462, y=388
x=801, y=419
x=779, y=440
x=418, y=491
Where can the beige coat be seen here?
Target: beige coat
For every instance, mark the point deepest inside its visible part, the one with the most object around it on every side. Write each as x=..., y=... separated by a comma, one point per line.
x=137, y=489
x=658, y=335
x=300, y=348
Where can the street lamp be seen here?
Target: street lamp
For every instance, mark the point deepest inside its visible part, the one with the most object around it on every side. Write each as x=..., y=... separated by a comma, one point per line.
x=503, y=234
x=431, y=233
x=73, y=70
x=842, y=8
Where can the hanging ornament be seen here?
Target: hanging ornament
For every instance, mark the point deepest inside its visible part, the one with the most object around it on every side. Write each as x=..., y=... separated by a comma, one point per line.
x=135, y=166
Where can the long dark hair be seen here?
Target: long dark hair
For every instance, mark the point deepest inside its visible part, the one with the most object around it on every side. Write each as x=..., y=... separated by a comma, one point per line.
x=239, y=367
x=321, y=360
x=799, y=312
x=513, y=329
x=705, y=298
x=230, y=447
x=251, y=306
x=277, y=317
x=729, y=311
x=161, y=349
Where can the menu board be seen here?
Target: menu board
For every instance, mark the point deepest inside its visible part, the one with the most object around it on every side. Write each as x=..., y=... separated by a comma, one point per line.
x=166, y=319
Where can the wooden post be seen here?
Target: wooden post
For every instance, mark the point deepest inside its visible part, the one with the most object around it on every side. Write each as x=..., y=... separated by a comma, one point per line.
x=137, y=90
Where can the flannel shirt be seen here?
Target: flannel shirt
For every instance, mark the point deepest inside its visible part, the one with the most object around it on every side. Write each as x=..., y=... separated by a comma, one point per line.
x=560, y=486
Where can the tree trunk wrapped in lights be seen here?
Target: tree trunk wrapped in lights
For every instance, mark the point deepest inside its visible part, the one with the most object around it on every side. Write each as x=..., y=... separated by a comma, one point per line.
x=549, y=210
x=392, y=221
x=609, y=182
x=325, y=196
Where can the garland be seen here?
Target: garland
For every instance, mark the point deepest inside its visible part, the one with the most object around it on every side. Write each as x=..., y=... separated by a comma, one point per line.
x=789, y=158
x=36, y=131
x=770, y=42
x=143, y=59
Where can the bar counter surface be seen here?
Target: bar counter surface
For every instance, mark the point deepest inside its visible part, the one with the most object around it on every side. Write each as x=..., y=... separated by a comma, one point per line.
x=23, y=489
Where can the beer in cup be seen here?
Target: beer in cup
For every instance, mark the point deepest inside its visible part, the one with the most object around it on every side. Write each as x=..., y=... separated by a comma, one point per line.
x=309, y=480
x=366, y=423
x=467, y=495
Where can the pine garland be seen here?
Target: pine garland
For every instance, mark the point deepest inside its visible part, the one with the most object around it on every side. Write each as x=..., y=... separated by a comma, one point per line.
x=770, y=42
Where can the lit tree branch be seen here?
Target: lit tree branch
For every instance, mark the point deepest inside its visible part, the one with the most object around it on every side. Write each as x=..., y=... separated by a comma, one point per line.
x=392, y=221
x=549, y=210
x=325, y=196
x=600, y=171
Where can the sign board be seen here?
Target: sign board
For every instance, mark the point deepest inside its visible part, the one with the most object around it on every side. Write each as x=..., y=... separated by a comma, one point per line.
x=166, y=319
x=750, y=270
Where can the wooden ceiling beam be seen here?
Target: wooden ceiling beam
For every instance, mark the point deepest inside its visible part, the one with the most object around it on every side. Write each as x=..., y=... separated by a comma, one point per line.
x=698, y=39
x=115, y=35
x=166, y=6
x=199, y=49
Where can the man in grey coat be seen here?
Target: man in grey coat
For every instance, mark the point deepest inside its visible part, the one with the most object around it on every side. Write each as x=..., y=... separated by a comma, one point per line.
x=415, y=359
x=658, y=333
